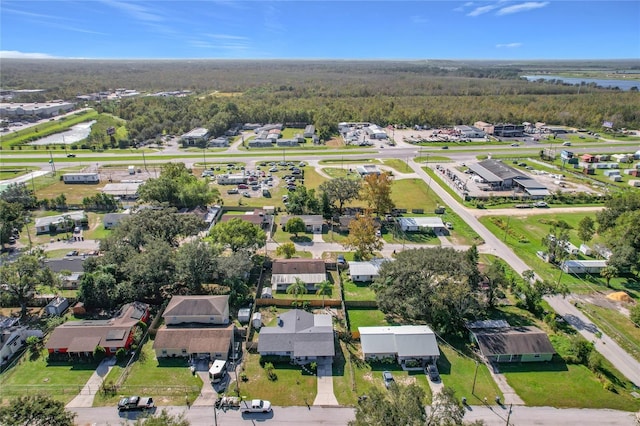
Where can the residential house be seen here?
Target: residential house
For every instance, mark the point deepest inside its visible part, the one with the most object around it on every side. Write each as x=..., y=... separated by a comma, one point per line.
x=302, y=336
x=583, y=266
x=413, y=346
x=111, y=220
x=13, y=337
x=123, y=190
x=79, y=339
x=196, y=327
x=81, y=178
x=70, y=270
x=312, y=222
x=257, y=217
x=285, y=271
x=210, y=310
x=61, y=222
x=416, y=224
x=368, y=169
x=366, y=271
x=309, y=131
x=219, y=142
x=513, y=344
x=345, y=220
x=57, y=306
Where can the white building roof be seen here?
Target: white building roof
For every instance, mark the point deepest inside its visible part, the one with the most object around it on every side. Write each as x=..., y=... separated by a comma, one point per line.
x=423, y=222
x=404, y=340
x=291, y=278
x=198, y=132
x=121, y=188
x=48, y=220
x=585, y=263
x=369, y=268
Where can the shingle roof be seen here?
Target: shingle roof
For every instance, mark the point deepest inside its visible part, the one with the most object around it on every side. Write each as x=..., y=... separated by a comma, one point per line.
x=194, y=340
x=298, y=266
x=514, y=341
x=299, y=332
x=196, y=305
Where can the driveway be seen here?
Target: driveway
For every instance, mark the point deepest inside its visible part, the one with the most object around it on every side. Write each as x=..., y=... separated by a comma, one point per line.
x=325, y=396
x=91, y=388
x=620, y=359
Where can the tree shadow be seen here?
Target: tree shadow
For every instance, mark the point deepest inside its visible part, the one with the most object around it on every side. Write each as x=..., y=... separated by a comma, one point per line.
x=339, y=360
x=443, y=364
x=300, y=239
x=556, y=364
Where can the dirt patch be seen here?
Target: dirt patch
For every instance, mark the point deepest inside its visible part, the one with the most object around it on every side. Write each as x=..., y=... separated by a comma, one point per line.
x=406, y=380
x=368, y=377
x=335, y=142
x=602, y=301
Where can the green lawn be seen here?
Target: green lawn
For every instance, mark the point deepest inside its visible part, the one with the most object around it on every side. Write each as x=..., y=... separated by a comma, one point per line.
x=339, y=173
x=352, y=377
x=413, y=194
x=357, y=291
x=168, y=380
x=63, y=381
x=366, y=318
x=398, y=165
x=292, y=387
x=615, y=325
x=457, y=372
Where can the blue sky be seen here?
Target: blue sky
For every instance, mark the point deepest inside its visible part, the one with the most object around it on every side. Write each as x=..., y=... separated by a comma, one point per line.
x=347, y=29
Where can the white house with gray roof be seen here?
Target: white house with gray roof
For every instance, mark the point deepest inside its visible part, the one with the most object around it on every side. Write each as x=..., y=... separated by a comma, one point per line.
x=406, y=343
x=366, y=271
x=415, y=224
x=302, y=336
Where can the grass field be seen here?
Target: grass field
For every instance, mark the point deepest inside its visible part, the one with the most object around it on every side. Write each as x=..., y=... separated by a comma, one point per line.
x=357, y=291
x=292, y=387
x=62, y=381
x=167, y=380
x=398, y=165
x=366, y=318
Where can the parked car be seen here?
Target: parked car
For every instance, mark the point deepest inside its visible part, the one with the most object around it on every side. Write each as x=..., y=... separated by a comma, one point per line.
x=448, y=225
x=388, y=379
x=432, y=372
x=72, y=253
x=257, y=406
x=566, y=143
x=341, y=260
x=135, y=403
x=540, y=204
x=243, y=186
x=232, y=191
x=246, y=194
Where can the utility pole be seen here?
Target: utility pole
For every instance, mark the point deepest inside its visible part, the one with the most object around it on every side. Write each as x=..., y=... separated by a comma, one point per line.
x=509, y=414
x=144, y=161
x=506, y=229
x=204, y=156
x=473, y=388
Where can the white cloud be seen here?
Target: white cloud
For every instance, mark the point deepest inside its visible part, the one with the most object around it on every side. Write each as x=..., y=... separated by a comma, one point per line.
x=14, y=54
x=508, y=45
x=522, y=7
x=482, y=10
x=222, y=42
x=136, y=11
x=419, y=19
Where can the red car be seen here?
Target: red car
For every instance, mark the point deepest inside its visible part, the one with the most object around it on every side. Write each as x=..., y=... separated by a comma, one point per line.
x=243, y=186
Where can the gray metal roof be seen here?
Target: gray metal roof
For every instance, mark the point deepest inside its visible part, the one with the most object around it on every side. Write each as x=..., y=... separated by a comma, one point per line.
x=423, y=222
x=495, y=171
x=404, y=340
x=371, y=267
x=514, y=341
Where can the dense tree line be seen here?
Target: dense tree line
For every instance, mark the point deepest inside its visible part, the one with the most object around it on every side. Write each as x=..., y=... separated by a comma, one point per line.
x=619, y=223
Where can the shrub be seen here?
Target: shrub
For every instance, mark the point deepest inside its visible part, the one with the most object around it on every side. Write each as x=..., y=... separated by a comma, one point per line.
x=121, y=354
x=99, y=353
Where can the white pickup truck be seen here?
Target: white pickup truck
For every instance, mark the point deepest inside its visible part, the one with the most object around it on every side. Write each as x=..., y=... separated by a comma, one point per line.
x=257, y=406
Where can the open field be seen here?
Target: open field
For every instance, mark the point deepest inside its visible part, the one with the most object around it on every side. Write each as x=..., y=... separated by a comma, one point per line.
x=63, y=381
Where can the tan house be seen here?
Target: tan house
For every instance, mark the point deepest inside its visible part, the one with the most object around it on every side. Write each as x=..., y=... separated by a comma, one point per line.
x=210, y=343
x=210, y=310
x=285, y=271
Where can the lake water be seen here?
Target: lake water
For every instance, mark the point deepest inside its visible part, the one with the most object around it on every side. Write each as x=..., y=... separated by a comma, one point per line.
x=622, y=84
x=74, y=134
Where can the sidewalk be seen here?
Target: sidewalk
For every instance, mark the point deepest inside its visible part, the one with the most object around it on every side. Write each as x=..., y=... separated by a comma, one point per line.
x=510, y=395
x=92, y=387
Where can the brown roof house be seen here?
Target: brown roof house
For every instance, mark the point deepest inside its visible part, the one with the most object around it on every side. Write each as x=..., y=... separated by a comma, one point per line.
x=79, y=339
x=513, y=344
x=197, y=327
x=285, y=271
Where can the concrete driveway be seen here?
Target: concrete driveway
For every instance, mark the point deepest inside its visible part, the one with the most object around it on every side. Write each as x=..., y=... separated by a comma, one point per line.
x=91, y=388
x=325, y=396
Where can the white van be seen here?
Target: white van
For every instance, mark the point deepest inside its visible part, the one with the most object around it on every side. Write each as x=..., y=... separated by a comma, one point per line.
x=217, y=370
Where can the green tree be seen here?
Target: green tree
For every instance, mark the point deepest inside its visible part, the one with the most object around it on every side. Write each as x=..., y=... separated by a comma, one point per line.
x=286, y=249
x=496, y=280
x=194, y=265
x=362, y=237
x=376, y=192
x=303, y=201
x=19, y=193
x=634, y=314
x=609, y=272
x=178, y=187
x=446, y=409
x=238, y=234
x=324, y=289
x=340, y=191
x=297, y=288
x=35, y=410
x=11, y=217
x=586, y=228
x=621, y=202
x=21, y=278
x=399, y=405
x=295, y=225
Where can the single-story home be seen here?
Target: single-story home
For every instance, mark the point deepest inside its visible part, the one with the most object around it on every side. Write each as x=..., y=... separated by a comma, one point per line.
x=345, y=220
x=302, y=336
x=13, y=337
x=111, y=220
x=583, y=266
x=413, y=346
x=285, y=271
x=123, y=190
x=368, y=169
x=81, y=178
x=366, y=271
x=514, y=344
x=415, y=224
x=194, y=343
x=80, y=338
x=212, y=310
x=312, y=222
x=60, y=222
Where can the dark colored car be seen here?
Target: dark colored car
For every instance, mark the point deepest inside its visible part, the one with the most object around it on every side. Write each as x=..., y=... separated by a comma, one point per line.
x=432, y=372
x=388, y=379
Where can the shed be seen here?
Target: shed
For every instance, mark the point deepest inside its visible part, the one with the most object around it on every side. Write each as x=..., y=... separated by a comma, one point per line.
x=78, y=309
x=244, y=314
x=57, y=306
x=256, y=320
x=267, y=293
x=585, y=249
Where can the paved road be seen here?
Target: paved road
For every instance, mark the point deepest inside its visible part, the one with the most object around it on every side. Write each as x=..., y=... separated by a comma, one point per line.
x=620, y=359
x=325, y=416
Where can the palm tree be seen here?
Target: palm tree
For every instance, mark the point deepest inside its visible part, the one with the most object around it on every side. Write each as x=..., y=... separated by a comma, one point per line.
x=609, y=272
x=297, y=288
x=324, y=289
